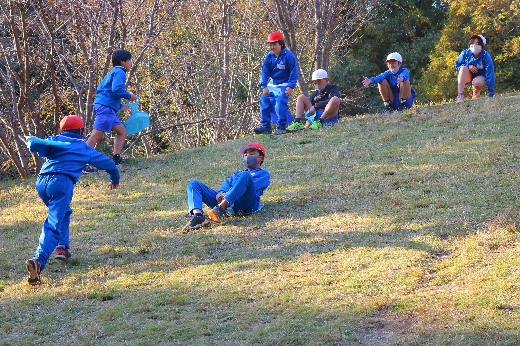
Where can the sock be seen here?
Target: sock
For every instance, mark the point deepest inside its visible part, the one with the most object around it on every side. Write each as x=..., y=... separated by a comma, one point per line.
x=198, y=214
x=386, y=103
x=298, y=120
x=116, y=156
x=403, y=100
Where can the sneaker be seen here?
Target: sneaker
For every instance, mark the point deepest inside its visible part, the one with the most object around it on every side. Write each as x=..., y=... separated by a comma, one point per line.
x=279, y=132
x=315, y=125
x=62, y=253
x=89, y=169
x=262, y=130
x=460, y=98
x=387, y=109
x=296, y=126
x=217, y=213
x=118, y=159
x=33, y=267
x=402, y=107
x=197, y=221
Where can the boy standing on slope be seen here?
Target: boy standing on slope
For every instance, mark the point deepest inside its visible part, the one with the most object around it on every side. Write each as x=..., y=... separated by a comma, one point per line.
x=278, y=78
x=66, y=155
x=108, y=102
x=241, y=191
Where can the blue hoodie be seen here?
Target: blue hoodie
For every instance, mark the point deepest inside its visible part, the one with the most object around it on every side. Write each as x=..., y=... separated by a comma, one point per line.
x=392, y=78
x=70, y=159
x=485, y=66
x=112, y=89
x=281, y=69
x=261, y=179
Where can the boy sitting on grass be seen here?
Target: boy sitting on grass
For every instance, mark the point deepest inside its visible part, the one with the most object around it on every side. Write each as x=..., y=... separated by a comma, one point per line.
x=241, y=191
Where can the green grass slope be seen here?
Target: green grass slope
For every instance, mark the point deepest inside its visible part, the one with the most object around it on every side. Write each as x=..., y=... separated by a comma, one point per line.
x=395, y=229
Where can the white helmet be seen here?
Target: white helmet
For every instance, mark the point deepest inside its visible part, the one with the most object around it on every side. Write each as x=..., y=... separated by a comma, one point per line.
x=394, y=56
x=319, y=74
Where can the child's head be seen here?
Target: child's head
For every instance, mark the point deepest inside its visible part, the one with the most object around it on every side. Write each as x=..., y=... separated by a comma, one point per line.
x=393, y=61
x=72, y=123
x=119, y=56
x=275, y=41
x=477, y=39
x=320, y=78
x=253, y=149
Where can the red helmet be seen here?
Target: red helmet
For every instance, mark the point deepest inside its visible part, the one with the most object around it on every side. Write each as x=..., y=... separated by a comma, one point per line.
x=253, y=145
x=275, y=36
x=71, y=122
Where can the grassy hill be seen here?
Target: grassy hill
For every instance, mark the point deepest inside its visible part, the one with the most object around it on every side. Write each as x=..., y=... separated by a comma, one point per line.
x=382, y=230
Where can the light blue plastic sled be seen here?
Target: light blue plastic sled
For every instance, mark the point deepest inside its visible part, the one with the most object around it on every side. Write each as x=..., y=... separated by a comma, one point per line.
x=137, y=121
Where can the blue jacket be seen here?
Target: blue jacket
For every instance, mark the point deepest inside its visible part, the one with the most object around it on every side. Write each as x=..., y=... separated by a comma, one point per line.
x=485, y=66
x=392, y=78
x=112, y=89
x=261, y=179
x=70, y=159
x=281, y=69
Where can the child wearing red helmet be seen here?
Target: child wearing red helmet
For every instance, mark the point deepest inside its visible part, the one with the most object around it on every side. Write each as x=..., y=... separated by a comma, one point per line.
x=241, y=191
x=278, y=78
x=66, y=155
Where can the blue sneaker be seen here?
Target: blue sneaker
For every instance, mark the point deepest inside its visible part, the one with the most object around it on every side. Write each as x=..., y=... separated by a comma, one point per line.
x=262, y=130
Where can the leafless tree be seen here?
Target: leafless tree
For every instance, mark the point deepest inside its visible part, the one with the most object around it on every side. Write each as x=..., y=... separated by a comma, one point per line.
x=313, y=29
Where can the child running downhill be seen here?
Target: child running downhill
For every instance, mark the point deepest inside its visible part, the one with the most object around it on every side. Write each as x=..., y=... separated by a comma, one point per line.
x=66, y=155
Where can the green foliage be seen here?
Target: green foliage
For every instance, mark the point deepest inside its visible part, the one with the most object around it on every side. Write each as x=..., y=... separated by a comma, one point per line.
x=498, y=22
x=439, y=81
x=408, y=27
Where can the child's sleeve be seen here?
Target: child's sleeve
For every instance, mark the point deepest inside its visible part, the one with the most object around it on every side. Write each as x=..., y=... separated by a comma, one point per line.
x=226, y=184
x=405, y=74
x=262, y=180
x=460, y=61
x=118, y=85
x=379, y=78
x=103, y=162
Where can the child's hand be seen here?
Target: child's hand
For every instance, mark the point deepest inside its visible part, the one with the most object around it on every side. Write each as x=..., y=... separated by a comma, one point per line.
x=132, y=97
x=366, y=81
x=220, y=196
x=113, y=186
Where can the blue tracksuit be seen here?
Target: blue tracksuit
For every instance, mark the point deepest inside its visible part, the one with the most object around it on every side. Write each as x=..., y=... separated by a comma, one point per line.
x=112, y=89
x=485, y=66
x=243, y=190
x=55, y=186
x=278, y=73
x=391, y=78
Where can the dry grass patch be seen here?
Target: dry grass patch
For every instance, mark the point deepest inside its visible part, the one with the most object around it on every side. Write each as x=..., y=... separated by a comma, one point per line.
x=382, y=230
